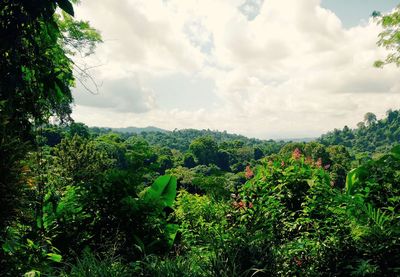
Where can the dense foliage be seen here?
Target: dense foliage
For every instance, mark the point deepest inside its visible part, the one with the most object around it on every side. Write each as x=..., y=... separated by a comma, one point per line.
x=390, y=37
x=371, y=136
x=235, y=208
x=79, y=201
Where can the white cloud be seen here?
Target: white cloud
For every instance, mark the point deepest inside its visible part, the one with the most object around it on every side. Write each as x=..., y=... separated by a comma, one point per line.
x=120, y=95
x=280, y=68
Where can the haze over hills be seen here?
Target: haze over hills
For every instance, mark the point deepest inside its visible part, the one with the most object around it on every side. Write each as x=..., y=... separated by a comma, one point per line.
x=370, y=135
x=139, y=130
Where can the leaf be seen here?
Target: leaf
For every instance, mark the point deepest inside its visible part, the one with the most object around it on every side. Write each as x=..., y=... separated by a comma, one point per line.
x=66, y=6
x=39, y=222
x=350, y=180
x=376, y=215
x=140, y=245
x=163, y=189
x=170, y=231
x=30, y=243
x=396, y=152
x=354, y=177
x=54, y=257
x=7, y=247
x=32, y=273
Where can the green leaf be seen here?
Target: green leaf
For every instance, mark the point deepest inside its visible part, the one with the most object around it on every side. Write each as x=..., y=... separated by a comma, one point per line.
x=163, y=189
x=350, y=180
x=54, y=257
x=39, y=222
x=66, y=6
x=396, y=152
x=32, y=273
x=7, y=247
x=170, y=231
x=30, y=243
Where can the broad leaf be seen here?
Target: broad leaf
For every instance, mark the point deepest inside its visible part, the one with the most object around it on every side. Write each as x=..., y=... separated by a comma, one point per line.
x=54, y=257
x=396, y=152
x=163, y=189
x=66, y=6
x=170, y=233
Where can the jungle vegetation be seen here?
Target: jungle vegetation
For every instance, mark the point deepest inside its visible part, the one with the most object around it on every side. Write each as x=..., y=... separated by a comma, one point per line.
x=80, y=201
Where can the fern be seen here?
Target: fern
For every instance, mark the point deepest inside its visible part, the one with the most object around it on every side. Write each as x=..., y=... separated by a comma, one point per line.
x=376, y=215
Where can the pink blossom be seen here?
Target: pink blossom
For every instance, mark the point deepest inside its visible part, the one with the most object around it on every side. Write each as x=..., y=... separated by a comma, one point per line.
x=242, y=204
x=296, y=154
x=249, y=173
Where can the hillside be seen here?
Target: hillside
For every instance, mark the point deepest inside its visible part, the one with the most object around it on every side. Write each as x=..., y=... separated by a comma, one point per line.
x=138, y=130
x=371, y=135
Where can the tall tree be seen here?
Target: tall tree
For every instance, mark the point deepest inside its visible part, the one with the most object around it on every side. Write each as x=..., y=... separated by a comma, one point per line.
x=36, y=76
x=205, y=150
x=370, y=118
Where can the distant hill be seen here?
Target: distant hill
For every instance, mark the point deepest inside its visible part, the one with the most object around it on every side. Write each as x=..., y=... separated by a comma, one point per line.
x=298, y=139
x=181, y=139
x=137, y=130
x=370, y=136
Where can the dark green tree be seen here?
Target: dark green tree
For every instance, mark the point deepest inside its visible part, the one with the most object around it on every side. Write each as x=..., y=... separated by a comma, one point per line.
x=370, y=118
x=188, y=160
x=37, y=74
x=205, y=150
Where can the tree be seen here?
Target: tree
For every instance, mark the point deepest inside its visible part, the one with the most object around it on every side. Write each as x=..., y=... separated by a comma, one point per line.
x=370, y=118
x=390, y=37
x=205, y=150
x=223, y=160
x=391, y=115
x=79, y=160
x=79, y=129
x=361, y=125
x=188, y=160
x=36, y=76
x=258, y=153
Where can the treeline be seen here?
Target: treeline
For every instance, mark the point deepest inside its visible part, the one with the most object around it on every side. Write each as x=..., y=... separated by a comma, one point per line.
x=193, y=147
x=371, y=136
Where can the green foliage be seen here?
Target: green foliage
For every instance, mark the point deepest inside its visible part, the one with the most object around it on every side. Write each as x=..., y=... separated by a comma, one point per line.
x=389, y=38
x=37, y=75
x=205, y=150
x=176, y=267
x=285, y=214
x=372, y=137
x=374, y=208
x=28, y=256
x=92, y=265
x=163, y=190
x=78, y=159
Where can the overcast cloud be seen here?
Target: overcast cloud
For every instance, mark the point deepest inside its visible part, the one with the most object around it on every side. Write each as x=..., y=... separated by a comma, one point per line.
x=270, y=69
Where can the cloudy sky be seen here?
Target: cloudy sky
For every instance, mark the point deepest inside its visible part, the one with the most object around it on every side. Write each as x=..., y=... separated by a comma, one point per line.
x=262, y=68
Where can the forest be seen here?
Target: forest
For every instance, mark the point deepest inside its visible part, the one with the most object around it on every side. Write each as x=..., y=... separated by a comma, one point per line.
x=93, y=201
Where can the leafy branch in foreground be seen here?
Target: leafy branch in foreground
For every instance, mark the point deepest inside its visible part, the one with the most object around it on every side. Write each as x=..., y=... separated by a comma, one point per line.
x=389, y=38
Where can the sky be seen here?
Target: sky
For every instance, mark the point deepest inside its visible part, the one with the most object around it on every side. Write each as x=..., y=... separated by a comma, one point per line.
x=261, y=68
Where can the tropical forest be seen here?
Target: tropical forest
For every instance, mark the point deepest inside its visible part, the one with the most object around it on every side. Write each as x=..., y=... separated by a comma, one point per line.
x=305, y=181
